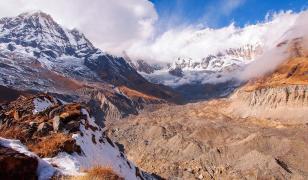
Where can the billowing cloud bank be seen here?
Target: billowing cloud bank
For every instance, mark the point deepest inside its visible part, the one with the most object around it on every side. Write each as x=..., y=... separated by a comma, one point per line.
x=198, y=43
x=274, y=56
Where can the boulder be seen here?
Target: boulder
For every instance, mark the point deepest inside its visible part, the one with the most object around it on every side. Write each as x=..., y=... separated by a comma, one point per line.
x=44, y=128
x=15, y=165
x=17, y=115
x=57, y=123
x=33, y=124
x=55, y=111
x=70, y=115
x=72, y=126
x=70, y=146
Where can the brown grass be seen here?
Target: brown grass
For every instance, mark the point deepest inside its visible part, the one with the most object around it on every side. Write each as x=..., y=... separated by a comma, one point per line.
x=98, y=173
x=292, y=72
x=60, y=81
x=13, y=133
x=49, y=146
x=135, y=94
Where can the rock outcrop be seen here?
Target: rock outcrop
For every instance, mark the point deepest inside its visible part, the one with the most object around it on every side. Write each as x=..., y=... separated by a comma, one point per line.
x=281, y=94
x=289, y=103
x=16, y=165
x=65, y=135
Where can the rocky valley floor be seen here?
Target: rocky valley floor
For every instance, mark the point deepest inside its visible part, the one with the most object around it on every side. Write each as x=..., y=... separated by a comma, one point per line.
x=205, y=141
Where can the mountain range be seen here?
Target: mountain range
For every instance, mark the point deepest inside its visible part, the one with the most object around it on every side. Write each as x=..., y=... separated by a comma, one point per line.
x=69, y=110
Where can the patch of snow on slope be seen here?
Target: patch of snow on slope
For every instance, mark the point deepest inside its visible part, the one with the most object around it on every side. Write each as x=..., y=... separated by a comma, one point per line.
x=97, y=150
x=41, y=105
x=44, y=170
x=66, y=164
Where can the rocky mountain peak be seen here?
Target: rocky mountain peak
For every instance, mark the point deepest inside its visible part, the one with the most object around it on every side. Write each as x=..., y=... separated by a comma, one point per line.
x=46, y=37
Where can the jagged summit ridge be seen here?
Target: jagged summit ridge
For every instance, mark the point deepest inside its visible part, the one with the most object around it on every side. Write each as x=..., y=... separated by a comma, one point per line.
x=38, y=53
x=38, y=30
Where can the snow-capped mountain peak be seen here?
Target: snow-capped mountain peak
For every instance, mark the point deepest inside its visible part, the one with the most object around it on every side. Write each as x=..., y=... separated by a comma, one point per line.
x=39, y=31
x=38, y=53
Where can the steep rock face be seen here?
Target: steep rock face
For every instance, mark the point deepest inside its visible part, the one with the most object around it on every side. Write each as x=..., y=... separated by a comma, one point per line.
x=109, y=106
x=281, y=94
x=288, y=103
x=273, y=97
x=33, y=45
x=142, y=66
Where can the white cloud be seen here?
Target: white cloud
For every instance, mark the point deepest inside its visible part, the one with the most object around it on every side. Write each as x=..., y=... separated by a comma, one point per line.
x=112, y=25
x=215, y=12
x=274, y=56
x=198, y=43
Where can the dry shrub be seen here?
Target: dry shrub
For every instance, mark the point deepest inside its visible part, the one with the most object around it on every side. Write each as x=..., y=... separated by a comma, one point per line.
x=49, y=146
x=292, y=72
x=98, y=173
x=13, y=132
x=136, y=94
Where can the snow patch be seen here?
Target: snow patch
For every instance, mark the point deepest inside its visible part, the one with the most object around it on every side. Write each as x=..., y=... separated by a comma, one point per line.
x=97, y=150
x=41, y=105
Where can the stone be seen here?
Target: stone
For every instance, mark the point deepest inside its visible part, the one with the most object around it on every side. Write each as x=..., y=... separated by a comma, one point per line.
x=33, y=124
x=70, y=116
x=44, y=128
x=70, y=147
x=17, y=115
x=15, y=165
x=57, y=123
x=55, y=111
x=72, y=126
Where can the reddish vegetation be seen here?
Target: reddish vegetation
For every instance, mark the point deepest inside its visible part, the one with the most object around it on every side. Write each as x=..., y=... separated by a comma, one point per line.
x=51, y=145
x=99, y=173
x=136, y=94
x=60, y=81
x=37, y=131
x=292, y=72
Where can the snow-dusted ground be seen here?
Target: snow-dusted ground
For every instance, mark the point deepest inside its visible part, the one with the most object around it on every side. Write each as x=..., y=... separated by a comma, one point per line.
x=97, y=151
x=41, y=105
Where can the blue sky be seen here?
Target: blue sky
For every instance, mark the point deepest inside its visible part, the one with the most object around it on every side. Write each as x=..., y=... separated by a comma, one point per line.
x=219, y=13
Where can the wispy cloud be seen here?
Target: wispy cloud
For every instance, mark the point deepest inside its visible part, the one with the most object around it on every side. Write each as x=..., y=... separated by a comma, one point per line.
x=215, y=12
x=228, y=6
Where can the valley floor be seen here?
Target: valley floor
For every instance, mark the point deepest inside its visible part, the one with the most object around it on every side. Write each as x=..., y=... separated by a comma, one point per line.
x=206, y=140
